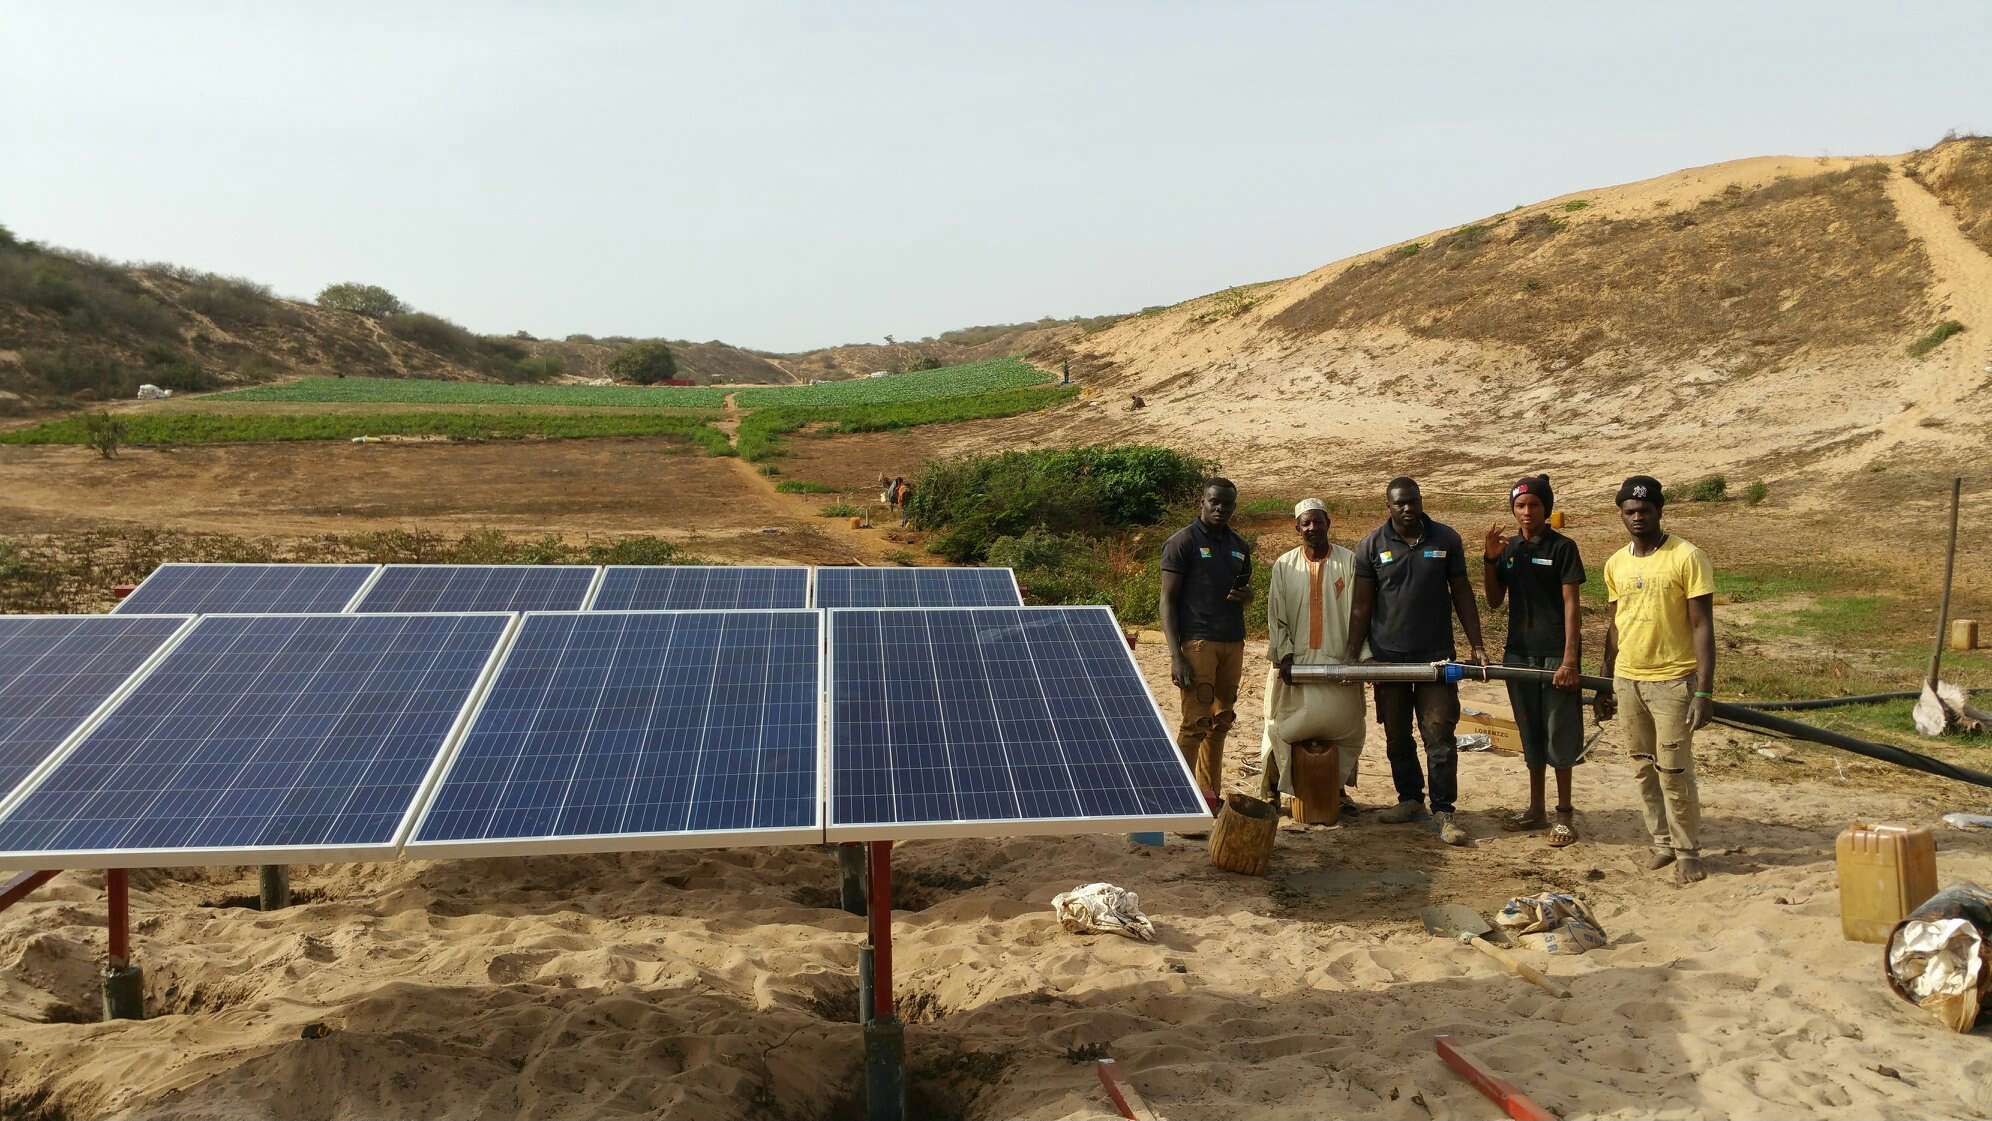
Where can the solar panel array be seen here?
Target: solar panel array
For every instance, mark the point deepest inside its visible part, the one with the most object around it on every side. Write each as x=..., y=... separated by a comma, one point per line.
x=984, y=721
x=201, y=589
x=262, y=736
x=694, y=587
x=56, y=671
x=131, y=740
x=917, y=587
x=651, y=729
x=478, y=587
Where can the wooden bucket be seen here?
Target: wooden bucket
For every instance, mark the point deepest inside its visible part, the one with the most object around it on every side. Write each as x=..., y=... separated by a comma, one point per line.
x=1964, y=634
x=1317, y=783
x=1242, y=839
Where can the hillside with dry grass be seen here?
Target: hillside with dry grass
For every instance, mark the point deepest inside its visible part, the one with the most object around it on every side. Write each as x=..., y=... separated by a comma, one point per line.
x=77, y=329
x=1773, y=318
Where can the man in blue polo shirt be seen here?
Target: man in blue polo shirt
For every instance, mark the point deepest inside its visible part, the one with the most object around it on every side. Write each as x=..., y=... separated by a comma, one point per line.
x=1410, y=581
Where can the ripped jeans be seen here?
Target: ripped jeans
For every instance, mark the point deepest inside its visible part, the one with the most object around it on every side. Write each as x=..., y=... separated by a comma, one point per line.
x=1661, y=743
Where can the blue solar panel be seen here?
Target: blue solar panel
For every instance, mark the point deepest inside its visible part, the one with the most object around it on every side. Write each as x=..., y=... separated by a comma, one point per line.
x=995, y=721
x=55, y=671
x=259, y=738
x=478, y=587
x=916, y=587
x=694, y=587
x=201, y=589
x=615, y=731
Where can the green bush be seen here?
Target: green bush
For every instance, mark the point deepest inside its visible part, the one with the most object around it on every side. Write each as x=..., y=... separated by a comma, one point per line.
x=432, y=331
x=644, y=363
x=839, y=510
x=104, y=433
x=975, y=500
x=1713, y=488
x=370, y=300
x=1754, y=493
x=803, y=486
x=1935, y=338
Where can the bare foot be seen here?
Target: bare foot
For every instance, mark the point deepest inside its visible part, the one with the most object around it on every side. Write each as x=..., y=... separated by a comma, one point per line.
x=1660, y=859
x=1689, y=870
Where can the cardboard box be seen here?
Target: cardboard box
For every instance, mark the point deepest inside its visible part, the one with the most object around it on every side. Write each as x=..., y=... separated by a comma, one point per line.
x=1484, y=710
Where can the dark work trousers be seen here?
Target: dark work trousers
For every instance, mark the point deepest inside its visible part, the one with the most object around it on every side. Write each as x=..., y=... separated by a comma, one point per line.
x=1437, y=707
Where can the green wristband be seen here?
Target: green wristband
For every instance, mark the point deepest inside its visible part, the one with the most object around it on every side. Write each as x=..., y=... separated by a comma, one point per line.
x=1700, y=693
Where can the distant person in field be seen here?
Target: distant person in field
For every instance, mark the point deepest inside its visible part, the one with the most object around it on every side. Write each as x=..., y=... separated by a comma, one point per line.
x=1308, y=598
x=902, y=498
x=1538, y=573
x=1410, y=581
x=885, y=488
x=1660, y=655
x=1206, y=583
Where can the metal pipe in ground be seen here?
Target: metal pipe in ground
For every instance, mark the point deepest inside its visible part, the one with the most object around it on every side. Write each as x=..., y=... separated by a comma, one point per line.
x=124, y=983
x=1943, y=602
x=885, y=1036
x=276, y=893
x=851, y=877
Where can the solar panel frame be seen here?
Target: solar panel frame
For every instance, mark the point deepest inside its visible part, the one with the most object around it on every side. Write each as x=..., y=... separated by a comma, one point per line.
x=88, y=724
x=273, y=854
x=356, y=607
x=136, y=594
x=570, y=844
x=609, y=573
x=887, y=574
x=834, y=832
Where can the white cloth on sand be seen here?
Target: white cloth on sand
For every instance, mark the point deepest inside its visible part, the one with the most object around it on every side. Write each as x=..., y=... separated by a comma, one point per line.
x=1102, y=909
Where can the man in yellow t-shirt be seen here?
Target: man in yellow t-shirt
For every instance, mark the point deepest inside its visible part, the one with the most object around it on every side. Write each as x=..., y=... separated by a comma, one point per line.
x=1660, y=655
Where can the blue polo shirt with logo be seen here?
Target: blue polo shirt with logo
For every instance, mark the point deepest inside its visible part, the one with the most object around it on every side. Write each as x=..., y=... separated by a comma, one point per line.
x=1412, y=619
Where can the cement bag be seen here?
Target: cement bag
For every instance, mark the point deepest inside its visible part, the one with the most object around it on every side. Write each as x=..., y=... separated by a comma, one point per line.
x=1318, y=712
x=1552, y=922
x=1940, y=957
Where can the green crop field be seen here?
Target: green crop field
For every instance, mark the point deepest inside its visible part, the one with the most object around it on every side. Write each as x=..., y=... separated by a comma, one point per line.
x=422, y=391
x=922, y=385
x=163, y=429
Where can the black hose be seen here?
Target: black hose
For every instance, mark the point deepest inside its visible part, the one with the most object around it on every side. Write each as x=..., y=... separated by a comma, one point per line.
x=1901, y=757
x=1836, y=702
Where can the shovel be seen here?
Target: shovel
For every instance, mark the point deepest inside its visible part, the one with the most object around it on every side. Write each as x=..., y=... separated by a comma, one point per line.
x=1464, y=924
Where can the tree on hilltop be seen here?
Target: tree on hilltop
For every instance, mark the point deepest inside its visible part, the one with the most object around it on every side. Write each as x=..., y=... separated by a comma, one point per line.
x=644, y=363
x=370, y=300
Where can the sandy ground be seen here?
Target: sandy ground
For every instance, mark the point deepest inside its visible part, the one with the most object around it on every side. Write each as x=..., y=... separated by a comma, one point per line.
x=722, y=984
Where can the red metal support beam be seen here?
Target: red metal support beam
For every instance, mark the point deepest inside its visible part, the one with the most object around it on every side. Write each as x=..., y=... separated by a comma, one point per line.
x=117, y=885
x=119, y=591
x=18, y=888
x=880, y=856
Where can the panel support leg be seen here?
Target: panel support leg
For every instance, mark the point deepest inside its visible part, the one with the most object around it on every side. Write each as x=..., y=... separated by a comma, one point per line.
x=276, y=887
x=124, y=983
x=851, y=877
x=885, y=1035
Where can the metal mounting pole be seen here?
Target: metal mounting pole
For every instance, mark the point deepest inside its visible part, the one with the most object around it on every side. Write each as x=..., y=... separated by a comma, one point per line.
x=885, y=1035
x=851, y=877
x=1943, y=604
x=275, y=887
x=124, y=983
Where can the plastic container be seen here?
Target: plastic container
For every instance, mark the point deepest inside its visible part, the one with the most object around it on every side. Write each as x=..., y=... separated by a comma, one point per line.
x=1886, y=871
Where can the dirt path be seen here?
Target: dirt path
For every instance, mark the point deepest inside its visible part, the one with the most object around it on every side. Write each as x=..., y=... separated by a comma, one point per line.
x=867, y=546
x=1961, y=289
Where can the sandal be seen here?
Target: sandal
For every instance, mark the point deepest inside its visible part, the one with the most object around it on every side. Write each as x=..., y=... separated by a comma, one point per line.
x=1561, y=836
x=1524, y=823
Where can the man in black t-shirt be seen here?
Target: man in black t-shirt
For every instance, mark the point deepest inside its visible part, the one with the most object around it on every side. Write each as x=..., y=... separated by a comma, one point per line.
x=1410, y=580
x=1206, y=583
x=1538, y=571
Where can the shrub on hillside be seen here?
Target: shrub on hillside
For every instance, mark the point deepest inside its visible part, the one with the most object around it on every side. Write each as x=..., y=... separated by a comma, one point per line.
x=370, y=300
x=978, y=499
x=432, y=331
x=644, y=363
x=1756, y=492
x=234, y=300
x=77, y=373
x=538, y=367
x=1713, y=488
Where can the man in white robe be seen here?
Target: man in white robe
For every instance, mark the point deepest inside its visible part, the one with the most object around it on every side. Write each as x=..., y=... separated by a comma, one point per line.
x=1307, y=623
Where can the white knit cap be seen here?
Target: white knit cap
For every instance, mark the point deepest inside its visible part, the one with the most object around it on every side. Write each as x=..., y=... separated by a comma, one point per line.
x=1306, y=504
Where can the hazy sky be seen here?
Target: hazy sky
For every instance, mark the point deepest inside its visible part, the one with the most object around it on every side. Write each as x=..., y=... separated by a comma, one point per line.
x=798, y=175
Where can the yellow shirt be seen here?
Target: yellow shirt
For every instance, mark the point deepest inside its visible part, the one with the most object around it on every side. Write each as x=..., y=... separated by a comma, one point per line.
x=1649, y=597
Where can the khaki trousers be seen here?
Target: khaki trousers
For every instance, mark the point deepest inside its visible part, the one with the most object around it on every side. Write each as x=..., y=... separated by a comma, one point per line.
x=1657, y=735
x=1209, y=708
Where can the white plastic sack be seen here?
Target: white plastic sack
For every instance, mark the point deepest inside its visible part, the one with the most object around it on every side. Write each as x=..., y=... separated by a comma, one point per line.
x=1552, y=922
x=1102, y=909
